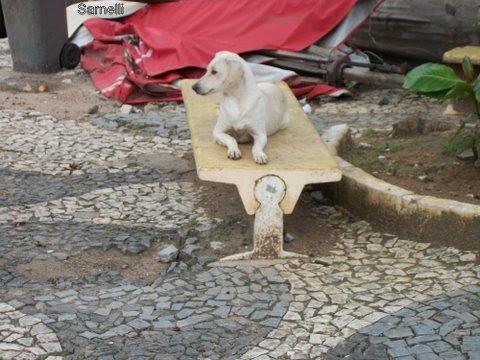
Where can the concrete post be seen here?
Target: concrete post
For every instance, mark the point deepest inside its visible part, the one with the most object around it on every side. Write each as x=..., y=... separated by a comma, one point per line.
x=268, y=226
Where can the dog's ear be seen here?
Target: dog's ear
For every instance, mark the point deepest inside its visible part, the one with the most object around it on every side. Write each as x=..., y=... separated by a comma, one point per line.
x=236, y=72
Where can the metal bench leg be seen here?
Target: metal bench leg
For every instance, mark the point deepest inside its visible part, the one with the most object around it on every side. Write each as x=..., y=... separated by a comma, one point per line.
x=268, y=226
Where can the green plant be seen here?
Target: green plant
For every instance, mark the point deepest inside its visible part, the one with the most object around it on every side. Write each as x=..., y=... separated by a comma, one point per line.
x=394, y=168
x=463, y=139
x=377, y=148
x=392, y=147
x=441, y=82
x=370, y=132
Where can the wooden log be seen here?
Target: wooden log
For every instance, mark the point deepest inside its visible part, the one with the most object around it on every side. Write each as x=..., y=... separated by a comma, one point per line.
x=301, y=67
x=419, y=29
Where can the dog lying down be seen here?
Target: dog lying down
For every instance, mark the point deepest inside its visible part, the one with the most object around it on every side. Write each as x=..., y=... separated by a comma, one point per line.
x=249, y=111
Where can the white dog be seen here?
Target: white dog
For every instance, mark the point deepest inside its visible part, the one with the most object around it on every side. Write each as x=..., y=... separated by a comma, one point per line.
x=248, y=110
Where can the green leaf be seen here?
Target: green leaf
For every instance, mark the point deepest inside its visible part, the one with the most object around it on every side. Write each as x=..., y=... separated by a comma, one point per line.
x=476, y=84
x=441, y=95
x=460, y=89
x=467, y=68
x=429, y=78
x=476, y=88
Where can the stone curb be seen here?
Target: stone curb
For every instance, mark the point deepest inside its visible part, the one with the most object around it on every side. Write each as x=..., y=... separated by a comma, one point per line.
x=394, y=209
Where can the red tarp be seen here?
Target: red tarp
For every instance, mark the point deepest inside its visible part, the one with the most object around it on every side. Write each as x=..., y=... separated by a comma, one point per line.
x=135, y=58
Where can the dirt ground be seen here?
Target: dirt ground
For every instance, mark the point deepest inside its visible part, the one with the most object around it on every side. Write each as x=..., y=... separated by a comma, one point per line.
x=418, y=162
x=141, y=266
x=66, y=95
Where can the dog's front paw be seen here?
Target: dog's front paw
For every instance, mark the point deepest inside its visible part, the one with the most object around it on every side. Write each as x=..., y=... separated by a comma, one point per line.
x=260, y=158
x=234, y=154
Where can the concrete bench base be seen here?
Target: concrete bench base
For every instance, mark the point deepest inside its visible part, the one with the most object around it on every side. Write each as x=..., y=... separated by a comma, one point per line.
x=268, y=225
x=297, y=156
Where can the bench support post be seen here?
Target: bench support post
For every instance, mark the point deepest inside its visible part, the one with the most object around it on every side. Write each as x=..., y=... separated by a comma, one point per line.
x=268, y=226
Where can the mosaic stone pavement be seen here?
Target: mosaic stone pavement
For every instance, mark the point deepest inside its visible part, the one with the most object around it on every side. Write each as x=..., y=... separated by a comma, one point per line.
x=374, y=297
x=70, y=186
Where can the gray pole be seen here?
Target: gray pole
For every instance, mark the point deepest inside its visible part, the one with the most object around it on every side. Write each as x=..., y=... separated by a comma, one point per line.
x=37, y=31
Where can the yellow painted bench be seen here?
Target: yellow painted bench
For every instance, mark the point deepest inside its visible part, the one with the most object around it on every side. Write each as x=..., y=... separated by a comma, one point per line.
x=455, y=56
x=297, y=156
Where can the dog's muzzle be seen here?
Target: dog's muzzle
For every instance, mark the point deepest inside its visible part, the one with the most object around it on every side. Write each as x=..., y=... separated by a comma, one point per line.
x=200, y=90
x=196, y=88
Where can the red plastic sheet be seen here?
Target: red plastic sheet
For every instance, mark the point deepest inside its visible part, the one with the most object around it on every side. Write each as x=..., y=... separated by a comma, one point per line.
x=134, y=59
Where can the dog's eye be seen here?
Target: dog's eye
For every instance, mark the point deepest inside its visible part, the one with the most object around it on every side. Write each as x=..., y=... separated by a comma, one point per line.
x=214, y=72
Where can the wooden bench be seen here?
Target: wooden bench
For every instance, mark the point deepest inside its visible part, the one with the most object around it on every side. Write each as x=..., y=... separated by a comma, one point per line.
x=297, y=157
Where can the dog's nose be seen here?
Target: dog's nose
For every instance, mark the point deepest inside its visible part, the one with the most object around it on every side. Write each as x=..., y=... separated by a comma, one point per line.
x=195, y=87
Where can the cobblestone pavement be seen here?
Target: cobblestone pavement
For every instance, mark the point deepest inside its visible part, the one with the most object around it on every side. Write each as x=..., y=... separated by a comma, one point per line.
x=374, y=297
x=70, y=186
x=5, y=58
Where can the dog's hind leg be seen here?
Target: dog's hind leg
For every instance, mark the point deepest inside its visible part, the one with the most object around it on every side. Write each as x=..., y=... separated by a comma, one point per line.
x=285, y=121
x=259, y=142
